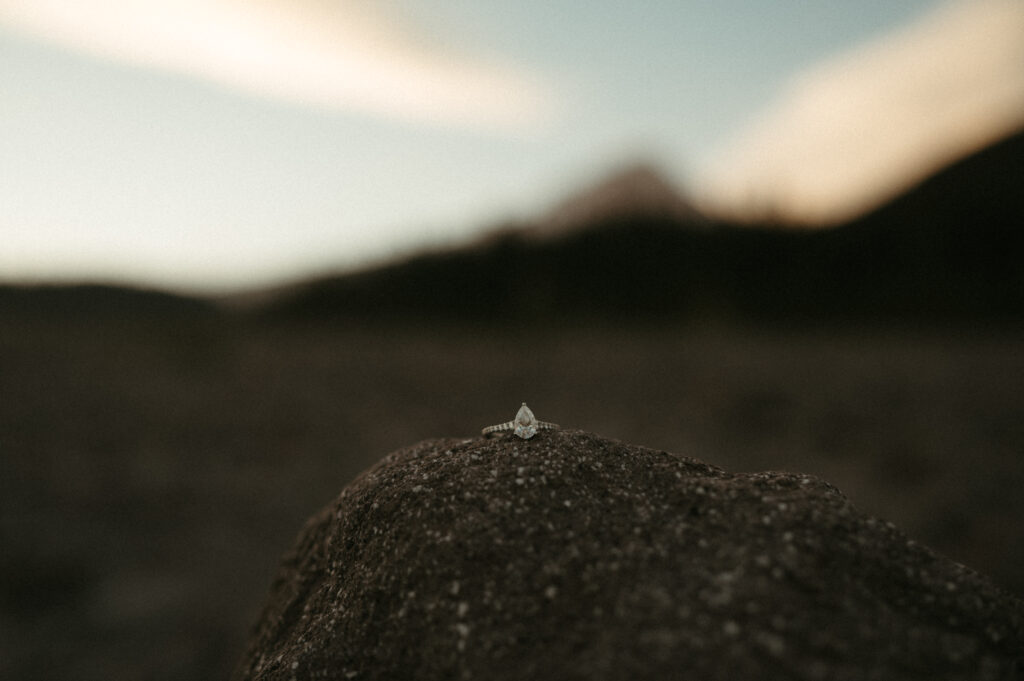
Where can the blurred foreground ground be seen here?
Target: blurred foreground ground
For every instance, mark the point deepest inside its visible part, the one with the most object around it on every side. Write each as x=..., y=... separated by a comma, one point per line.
x=153, y=472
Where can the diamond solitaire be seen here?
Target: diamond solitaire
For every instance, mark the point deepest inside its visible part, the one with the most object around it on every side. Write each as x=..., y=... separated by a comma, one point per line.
x=525, y=425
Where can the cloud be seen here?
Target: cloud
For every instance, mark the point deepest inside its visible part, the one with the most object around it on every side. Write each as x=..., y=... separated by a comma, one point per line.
x=341, y=55
x=862, y=127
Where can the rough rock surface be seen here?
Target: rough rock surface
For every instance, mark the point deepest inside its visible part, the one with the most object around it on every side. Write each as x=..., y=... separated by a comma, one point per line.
x=570, y=556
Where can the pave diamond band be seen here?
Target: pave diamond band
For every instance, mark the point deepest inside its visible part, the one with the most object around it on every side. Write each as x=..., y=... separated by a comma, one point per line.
x=525, y=425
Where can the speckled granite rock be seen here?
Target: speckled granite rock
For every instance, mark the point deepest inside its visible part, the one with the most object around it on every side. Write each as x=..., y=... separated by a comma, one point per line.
x=570, y=556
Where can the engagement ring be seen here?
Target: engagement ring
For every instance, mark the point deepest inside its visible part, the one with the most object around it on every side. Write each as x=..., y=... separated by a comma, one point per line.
x=525, y=424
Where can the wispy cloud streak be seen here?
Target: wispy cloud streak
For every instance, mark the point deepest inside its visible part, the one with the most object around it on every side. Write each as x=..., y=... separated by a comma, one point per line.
x=862, y=127
x=340, y=54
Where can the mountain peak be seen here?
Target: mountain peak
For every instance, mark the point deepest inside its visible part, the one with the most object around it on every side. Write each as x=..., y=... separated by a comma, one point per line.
x=637, y=189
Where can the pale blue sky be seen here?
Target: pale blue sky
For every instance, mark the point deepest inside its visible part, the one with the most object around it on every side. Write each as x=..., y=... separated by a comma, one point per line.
x=114, y=170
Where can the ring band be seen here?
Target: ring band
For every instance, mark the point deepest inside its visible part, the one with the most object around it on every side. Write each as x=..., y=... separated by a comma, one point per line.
x=525, y=425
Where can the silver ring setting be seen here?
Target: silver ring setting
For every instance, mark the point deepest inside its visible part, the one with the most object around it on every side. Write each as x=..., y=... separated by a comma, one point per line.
x=525, y=425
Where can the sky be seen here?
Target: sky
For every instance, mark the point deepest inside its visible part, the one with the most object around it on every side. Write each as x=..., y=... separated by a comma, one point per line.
x=217, y=145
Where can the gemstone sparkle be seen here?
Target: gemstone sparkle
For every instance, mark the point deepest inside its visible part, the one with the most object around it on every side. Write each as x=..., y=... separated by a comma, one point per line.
x=525, y=423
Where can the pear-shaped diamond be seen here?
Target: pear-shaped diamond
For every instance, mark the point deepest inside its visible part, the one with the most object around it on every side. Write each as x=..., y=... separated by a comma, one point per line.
x=525, y=423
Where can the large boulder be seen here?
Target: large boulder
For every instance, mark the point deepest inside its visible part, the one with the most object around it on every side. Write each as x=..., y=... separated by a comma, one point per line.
x=570, y=556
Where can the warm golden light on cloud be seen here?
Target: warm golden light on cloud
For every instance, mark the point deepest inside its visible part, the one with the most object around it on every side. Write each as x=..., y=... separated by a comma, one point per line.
x=341, y=55
x=860, y=128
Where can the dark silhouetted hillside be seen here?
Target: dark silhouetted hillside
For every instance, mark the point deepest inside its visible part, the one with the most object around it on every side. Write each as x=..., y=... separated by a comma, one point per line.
x=105, y=301
x=953, y=245
x=950, y=249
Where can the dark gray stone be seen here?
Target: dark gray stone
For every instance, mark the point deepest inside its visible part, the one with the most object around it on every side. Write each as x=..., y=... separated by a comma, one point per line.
x=570, y=556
